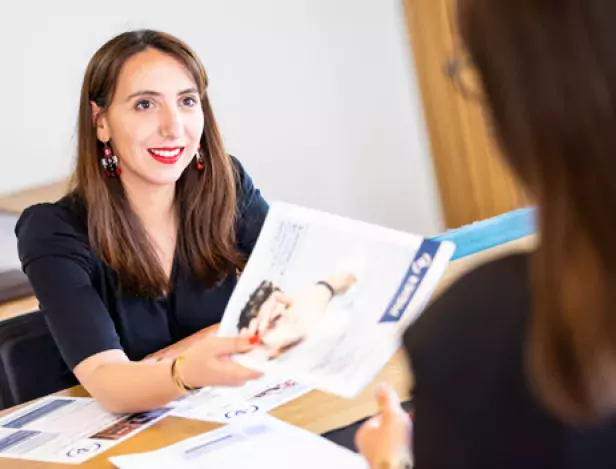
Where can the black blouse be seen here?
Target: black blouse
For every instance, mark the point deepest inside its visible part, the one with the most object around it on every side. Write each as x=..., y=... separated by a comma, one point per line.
x=474, y=404
x=78, y=294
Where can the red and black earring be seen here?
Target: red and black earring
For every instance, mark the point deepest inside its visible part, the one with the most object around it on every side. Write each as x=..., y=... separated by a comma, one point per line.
x=199, y=159
x=110, y=162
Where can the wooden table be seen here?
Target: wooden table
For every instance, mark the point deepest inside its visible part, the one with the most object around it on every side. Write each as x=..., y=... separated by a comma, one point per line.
x=317, y=412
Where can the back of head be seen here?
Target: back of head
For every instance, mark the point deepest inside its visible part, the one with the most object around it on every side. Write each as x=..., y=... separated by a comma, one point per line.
x=548, y=69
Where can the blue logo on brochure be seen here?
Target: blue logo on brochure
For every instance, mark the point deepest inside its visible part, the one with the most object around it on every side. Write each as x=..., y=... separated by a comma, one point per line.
x=416, y=273
x=76, y=452
x=253, y=409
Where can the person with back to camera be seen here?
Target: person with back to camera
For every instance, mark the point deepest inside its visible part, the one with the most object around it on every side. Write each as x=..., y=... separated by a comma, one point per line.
x=134, y=265
x=515, y=364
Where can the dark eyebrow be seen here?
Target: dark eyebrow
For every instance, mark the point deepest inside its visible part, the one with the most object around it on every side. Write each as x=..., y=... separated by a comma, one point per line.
x=143, y=93
x=156, y=93
x=189, y=91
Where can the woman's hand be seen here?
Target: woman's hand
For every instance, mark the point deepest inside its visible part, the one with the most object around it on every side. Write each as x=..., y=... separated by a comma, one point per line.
x=387, y=436
x=209, y=363
x=177, y=349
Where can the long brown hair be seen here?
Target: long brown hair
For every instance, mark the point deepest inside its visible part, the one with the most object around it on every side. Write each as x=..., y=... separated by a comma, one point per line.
x=548, y=69
x=205, y=201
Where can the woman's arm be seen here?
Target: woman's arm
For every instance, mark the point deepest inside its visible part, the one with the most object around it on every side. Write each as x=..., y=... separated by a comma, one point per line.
x=85, y=334
x=122, y=386
x=311, y=304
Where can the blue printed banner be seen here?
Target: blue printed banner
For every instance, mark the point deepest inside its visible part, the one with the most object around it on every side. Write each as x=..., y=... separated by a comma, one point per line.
x=15, y=439
x=412, y=280
x=37, y=413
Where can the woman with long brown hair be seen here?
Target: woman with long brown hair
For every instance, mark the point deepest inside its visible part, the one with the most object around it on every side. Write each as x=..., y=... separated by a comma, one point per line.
x=515, y=365
x=140, y=258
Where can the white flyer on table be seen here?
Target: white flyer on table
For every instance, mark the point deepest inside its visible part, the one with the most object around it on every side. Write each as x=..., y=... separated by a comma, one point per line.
x=257, y=443
x=327, y=298
x=224, y=405
x=67, y=430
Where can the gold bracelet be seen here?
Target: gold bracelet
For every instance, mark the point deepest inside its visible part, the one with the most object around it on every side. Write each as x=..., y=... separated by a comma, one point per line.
x=176, y=375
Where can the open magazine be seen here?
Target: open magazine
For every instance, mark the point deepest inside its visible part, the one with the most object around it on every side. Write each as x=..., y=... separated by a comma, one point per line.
x=326, y=299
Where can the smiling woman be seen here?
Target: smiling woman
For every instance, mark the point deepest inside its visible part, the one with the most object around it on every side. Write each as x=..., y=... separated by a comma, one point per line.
x=155, y=118
x=137, y=262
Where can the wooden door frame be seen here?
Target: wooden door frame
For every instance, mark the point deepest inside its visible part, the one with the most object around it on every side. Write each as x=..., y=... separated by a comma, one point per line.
x=474, y=182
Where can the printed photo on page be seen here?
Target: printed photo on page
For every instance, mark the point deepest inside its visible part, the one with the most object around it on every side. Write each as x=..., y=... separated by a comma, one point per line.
x=224, y=405
x=67, y=430
x=325, y=298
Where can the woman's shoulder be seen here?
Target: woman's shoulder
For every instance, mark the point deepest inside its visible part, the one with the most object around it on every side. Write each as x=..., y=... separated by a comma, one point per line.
x=68, y=213
x=53, y=228
x=242, y=178
x=482, y=315
x=249, y=196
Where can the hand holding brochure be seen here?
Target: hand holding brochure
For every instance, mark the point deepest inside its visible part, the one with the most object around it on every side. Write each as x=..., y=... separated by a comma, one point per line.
x=326, y=298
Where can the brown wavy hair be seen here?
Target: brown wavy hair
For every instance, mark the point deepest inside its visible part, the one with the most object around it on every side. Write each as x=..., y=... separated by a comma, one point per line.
x=548, y=69
x=205, y=201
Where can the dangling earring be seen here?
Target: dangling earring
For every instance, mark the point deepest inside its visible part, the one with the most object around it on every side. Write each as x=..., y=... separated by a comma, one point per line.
x=199, y=159
x=110, y=162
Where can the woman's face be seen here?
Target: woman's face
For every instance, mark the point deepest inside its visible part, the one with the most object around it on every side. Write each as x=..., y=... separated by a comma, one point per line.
x=155, y=120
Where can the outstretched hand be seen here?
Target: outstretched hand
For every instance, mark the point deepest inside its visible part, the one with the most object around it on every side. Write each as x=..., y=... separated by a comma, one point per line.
x=385, y=437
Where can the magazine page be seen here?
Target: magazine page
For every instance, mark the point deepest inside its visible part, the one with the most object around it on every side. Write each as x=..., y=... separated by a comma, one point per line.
x=326, y=298
x=68, y=430
x=259, y=443
x=226, y=404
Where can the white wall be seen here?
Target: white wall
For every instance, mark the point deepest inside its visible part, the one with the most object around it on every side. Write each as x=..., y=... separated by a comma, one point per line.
x=316, y=97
